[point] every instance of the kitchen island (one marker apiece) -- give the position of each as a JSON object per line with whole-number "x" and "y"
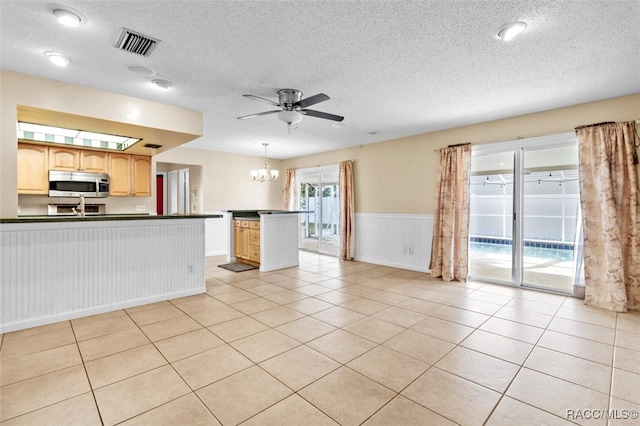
{"x": 60, "y": 268}
{"x": 264, "y": 238}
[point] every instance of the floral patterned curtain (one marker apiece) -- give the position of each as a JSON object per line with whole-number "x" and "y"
{"x": 347, "y": 210}
{"x": 450, "y": 246}
{"x": 290, "y": 190}
{"x": 611, "y": 216}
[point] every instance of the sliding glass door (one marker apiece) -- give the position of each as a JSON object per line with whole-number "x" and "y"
{"x": 491, "y": 216}
{"x": 524, "y": 212}
{"x": 319, "y": 195}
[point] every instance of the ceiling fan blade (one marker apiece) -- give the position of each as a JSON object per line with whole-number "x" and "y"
{"x": 326, "y": 116}
{"x": 258, "y": 98}
{"x": 258, "y": 114}
{"x": 312, "y": 100}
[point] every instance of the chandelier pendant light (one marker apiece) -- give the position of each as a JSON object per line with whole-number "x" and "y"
{"x": 264, "y": 174}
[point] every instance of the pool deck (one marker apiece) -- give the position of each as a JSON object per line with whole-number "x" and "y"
{"x": 556, "y": 275}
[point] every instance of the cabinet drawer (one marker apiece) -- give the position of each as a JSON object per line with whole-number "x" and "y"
{"x": 244, "y": 223}
{"x": 254, "y": 237}
{"x": 254, "y": 253}
{"x": 254, "y": 224}
{"x": 237, "y": 223}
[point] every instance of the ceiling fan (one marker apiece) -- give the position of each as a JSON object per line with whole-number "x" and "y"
{"x": 293, "y": 107}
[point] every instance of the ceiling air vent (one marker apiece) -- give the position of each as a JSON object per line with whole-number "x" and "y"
{"x": 152, "y": 145}
{"x": 140, "y": 44}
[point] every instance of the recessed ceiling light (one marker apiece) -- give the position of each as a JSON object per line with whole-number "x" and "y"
{"x": 141, "y": 70}
{"x": 163, "y": 84}
{"x": 510, "y": 30}
{"x": 372, "y": 133}
{"x": 58, "y": 58}
{"x": 67, "y": 16}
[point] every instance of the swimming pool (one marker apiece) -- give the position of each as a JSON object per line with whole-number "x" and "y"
{"x": 529, "y": 251}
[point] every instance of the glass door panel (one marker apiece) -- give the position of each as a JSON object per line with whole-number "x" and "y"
{"x": 491, "y": 217}
{"x": 319, "y": 195}
{"x": 308, "y": 190}
{"x": 551, "y": 204}
{"x": 329, "y": 236}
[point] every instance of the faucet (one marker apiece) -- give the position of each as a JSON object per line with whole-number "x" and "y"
{"x": 80, "y": 207}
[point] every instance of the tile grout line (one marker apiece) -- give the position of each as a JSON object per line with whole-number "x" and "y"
{"x": 86, "y": 373}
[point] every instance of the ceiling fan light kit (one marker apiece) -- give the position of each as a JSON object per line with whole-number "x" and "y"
{"x": 290, "y": 117}
{"x": 293, "y": 107}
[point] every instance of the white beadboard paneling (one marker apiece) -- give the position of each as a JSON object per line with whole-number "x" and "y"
{"x": 216, "y": 235}
{"x": 278, "y": 241}
{"x": 398, "y": 240}
{"x": 61, "y": 270}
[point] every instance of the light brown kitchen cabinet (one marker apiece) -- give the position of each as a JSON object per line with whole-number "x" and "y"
{"x": 94, "y": 161}
{"x": 61, "y": 158}
{"x": 119, "y": 174}
{"x": 74, "y": 159}
{"x": 129, "y": 175}
{"x": 246, "y": 235}
{"x": 254, "y": 241}
{"x": 33, "y": 166}
{"x": 141, "y": 176}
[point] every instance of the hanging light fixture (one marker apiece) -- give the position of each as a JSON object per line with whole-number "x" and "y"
{"x": 264, "y": 174}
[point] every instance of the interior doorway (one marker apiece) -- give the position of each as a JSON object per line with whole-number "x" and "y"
{"x": 318, "y": 190}
{"x": 178, "y": 188}
{"x": 525, "y": 212}
{"x": 178, "y": 191}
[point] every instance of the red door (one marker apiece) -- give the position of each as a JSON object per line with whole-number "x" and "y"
{"x": 159, "y": 194}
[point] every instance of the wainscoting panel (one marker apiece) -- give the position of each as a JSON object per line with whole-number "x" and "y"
{"x": 278, "y": 241}
{"x": 55, "y": 271}
{"x": 216, "y": 234}
{"x": 398, "y": 240}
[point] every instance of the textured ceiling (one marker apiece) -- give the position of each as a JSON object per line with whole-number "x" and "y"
{"x": 396, "y": 68}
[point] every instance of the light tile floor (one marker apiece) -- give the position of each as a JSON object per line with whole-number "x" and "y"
{"x": 329, "y": 342}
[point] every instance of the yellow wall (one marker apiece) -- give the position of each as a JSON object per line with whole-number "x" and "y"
{"x": 226, "y": 181}
{"x": 399, "y": 176}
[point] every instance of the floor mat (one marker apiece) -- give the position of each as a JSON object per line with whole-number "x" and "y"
{"x": 237, "y": 267}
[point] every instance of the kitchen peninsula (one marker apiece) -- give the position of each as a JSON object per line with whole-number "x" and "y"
{"x": 60, "y": 268}
{"x": 264, "y": 238}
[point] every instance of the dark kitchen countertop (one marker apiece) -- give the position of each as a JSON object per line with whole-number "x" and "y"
{"x": 249, "y": 218}
{"x": 106, "y": 217}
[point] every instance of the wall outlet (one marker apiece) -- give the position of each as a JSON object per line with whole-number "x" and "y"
{"x": 139, "y": 208}
{"x": 189, "y": 269}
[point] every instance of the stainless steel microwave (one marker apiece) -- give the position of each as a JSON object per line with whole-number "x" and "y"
{"x": 74, "y": 184}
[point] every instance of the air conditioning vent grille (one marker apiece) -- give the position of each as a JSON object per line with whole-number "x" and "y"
{"x": 140, "y": 44}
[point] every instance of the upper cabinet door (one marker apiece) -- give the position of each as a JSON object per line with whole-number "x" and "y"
{"x": 64, "y": 159}
{"x": 141, "y": 173}
{"x": 32, "y": 169}
{"x": 94, "y": 162}
{"x": 119, "y": 174}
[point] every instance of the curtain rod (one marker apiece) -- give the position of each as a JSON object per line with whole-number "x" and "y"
{"x": 319, "y": 165}
{"x": 594, "y": 125}
{"x": 604, "y": 122}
